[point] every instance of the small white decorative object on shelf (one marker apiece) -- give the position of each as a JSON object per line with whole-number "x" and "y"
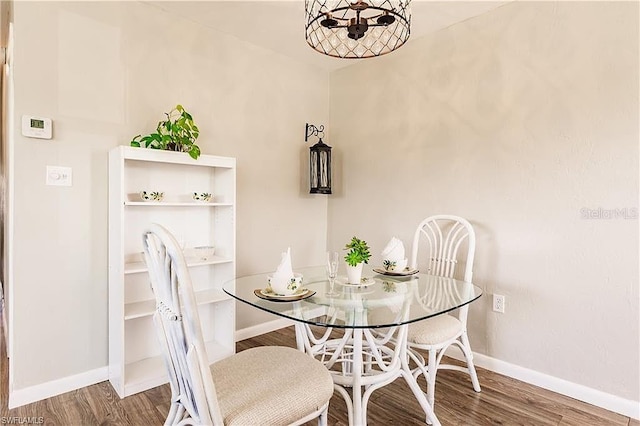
{"x": 204, "y": 252}
{"x": 151, "y": 195}
{"x": 202, "y": 196}
{"x": 283, "y": 281}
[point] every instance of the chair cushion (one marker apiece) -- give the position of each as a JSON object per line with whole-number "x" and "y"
{"x": 270, "y": 385}
{"x": 434, "y": 330}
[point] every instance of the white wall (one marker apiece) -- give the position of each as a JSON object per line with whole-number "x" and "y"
{"x": 518, "y": 120}
{"x": 105, "y": 72}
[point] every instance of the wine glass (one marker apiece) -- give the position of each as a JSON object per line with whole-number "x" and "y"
{"x": 332, "y": 271}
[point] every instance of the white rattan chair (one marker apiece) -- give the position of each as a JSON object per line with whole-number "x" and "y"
{"x": 266, "y": 385}
{"x": 442, "y": 237}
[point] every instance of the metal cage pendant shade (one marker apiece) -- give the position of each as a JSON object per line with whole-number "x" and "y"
{"x": 358, "y": 29}
{"x": 320, "y": 168}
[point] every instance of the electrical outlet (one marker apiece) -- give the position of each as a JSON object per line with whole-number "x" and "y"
{"x": 498, "y": 303}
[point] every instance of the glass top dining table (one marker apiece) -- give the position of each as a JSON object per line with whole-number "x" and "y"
{"x": 371, "y": 319}
{"x": 373, "y": 304}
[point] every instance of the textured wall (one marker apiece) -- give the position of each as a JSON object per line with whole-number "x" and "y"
{"x": 519, "y": 120}
{"x": 525, "y": 121}
{"x": 104, "y": 72}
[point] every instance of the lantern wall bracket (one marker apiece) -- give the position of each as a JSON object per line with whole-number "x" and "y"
{"x": 311, "y": 130}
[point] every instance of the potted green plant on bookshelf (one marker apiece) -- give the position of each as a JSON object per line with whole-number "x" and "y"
{"x": 177, "y": 132}
{"x": 356, "y": 257}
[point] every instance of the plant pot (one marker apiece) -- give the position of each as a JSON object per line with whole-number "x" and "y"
{"x": 354, "y": 273}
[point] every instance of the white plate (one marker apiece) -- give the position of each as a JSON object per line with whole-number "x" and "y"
{"x": 365, "y": 281}
{"x": 301, "y": 294}
{"x": 404, "y": 273}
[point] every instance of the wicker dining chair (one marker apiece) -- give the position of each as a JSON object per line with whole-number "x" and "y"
{"x": 442, "y": 237}
{"x": 266, "y": 385}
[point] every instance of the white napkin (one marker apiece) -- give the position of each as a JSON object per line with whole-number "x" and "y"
{"x": 394, "y": 250}
{"x": 284, "y": 272}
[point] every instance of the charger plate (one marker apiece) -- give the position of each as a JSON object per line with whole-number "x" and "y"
{"x": 404, "y": 273}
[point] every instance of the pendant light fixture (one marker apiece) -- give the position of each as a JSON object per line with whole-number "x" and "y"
{"x": 358, "y": 29}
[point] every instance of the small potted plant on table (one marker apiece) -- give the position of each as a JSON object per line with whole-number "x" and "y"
{"x": 356, "y": 257}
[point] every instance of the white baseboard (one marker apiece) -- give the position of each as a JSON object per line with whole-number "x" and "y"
{"x": 582, "y": 393}
{"x": 266, "y": 327}
{"x": 56, "y": 387}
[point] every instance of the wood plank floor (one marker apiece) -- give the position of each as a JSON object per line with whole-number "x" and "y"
{"x": 503, "y": 401}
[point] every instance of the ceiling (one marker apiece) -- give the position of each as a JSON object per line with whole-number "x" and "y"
{"x": 279, "y": 25}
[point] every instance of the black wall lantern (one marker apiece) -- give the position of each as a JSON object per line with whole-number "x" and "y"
{"x": 319, "y": 161}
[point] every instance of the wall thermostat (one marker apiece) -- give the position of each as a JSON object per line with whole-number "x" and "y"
{"x": 36, "y": 127}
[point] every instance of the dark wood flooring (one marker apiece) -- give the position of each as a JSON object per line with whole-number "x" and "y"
{"x": 503, "y": 401}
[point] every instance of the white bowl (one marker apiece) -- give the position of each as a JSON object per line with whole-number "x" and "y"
{"x": 204, "y": 252}
{"x": 151, "y": 195}
{"x": 286, "y": 288}
{"x": 202, "y": 196}
{"x": 395, "y": 265}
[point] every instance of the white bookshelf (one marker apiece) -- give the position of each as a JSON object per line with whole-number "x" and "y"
{"x": 135, "y": 359}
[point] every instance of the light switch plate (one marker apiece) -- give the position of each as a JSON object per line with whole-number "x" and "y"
{"x": 59, "y": 176}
